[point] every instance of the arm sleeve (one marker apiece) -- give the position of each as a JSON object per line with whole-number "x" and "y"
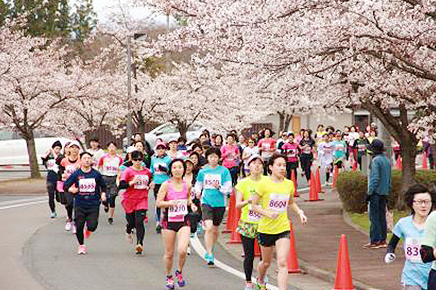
{"x": 124, "y": 184}
{"x": 70, "y": 181}
{"x": 374, "y": 177}
{"x": 392, "y": 244}
{"x": 103, "y": 186}
{"x": 199, "y": 183}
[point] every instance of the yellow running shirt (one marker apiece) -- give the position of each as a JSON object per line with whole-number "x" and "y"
{"x": 275, "y": 197}
{"x": 247, "y": 187}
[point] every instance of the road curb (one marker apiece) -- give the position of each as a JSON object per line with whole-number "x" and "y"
{"x": 347, "y": 219}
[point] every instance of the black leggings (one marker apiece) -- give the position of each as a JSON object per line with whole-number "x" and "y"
{"x": 135, "y": 220}
{"x": 306, "y": 163}
{"x": 111, "y": 191}
{"x": 88, "y": 216}
{"x": 248, "y": 245}
{"x": 70, "y": 205}
{"x": 156, "y": 191}
{"x": 51, "y": 189}
{"x": 291, "y": 166}
{"x": 432, "y": 280}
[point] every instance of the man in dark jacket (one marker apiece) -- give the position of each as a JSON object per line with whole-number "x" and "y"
{"x": 378, "y": 189}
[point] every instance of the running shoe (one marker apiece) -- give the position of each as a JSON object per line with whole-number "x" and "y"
{"x": 86, "y": 233}
{"x": 210, "y": 260}
{"x": 382, "y": 245}
{"x": 180, "y": 279}
{"x": 371, "y": 246}
{"x": 158, "y": 228}
{"x": 106, "y": 208}
{"x": 53, "y": 215}
{"x": 129, "y": 238}
{"x": 139, "y": 249}
{"x": 188, "y": 250}
{"x": 68, "y": 226}
{"x": 73, "y": 228}
{"x": 110, "y": 220}
{"x": 260, "y": 286}
{"x": 249, "y": 286}
{"x": 82, "y": 250}
{"x": 169, "y": 283}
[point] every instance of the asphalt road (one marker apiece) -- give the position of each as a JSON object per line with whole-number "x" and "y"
{"x": 37, "y": 253}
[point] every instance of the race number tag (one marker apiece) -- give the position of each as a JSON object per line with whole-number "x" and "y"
{"x": 157, "y": 170}
{"x": 87, "y": 185}
{"x": 141, "y": 182}
{"x": 176, "y": 213}
{"x": 265, "y": 146}
{"x": 292, "y": 153}
{"x": 210, "y": 180}
{"x": 278, "y": 202}
{"x": 307, "y": 149}
{"x": 69, "y": 169}
{"x": 253, "y": 216}
{"x": 411, "y": 250}
{"x": 110, "y": 167}
{"x": 51, "y": 165}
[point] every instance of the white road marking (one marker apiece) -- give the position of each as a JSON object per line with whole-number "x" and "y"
{"x": 40, "y": 198}
{"x": 198, "y": 247}
{"x": 19, "y": 203}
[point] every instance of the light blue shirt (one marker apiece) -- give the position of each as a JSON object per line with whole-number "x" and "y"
{"x": 414, "y": 273}
{"x": 212, "y": 196}
{"x": 160, "y": 176}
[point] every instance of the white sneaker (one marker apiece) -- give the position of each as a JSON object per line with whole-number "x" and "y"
{"x": 82, "y": 250}
{"x": 68, "y": 226}
{"x": 188, "y": 250}
{"x": 73, "y": 228}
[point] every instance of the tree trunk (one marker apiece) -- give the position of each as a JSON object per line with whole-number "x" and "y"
{"x": 183, "y": 128}
{"x": 408, "y": 154}
{"x": 288, "y": 119}
{"x": 281, "y": 121}
{"x": 33, "y": 158}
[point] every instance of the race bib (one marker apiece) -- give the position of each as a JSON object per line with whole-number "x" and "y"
{"x": 69, "y": 169}
{"x": 51, "y": 165}
{"x": 411, "y": 250}
{"x": 110, "y": 167}
{"x": 253, "y": 216}
{"x": 176, "y": 213}
{"x": 141, "y": 182}
{"x": 278, "y": 202}
{"x": 210, "y": 180}
{"x": 157, "y": 170}
{"x": 361, "y": 147}
{"x": 340, "y": 147}
{"x": 307, "y": 149}
{"x": 266, "y": 146}
{"x": 292, "y": 153}
{"x": 87, "y": 185}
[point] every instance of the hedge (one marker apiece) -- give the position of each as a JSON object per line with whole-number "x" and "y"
{"x": 352, "y": 187}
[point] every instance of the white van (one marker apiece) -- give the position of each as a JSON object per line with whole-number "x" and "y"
{"x": 13, "y": 148}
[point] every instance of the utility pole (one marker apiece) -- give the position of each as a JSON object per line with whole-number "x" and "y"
{"x": 129, "y": 91}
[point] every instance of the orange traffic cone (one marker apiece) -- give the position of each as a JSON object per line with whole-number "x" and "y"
{"x": 313, "y": 194}
{"x": 318, "y": 181}
{"x": 335, "y": 176}
{"x": 294, "y": 180}
{"x": 231, "y": 214}
{"x": 292, "y": 262}
{"x": 343, "y": 279}
{"x": 257, "y": 252}
{"x": 235, "y": 237}
{"x": 400, "y": 163}
{"x": 424, "y": 161}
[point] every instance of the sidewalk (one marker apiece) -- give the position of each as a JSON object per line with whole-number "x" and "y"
{"x": 24, "y": 186}
{"x": 317, "y": 245}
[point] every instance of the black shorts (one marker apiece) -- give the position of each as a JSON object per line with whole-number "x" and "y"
{"x": 176, "y": 226}
{"x": 216, "y": 214}
{"x": 268, "y": 240}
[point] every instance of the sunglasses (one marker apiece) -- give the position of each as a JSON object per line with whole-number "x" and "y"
{"x": 137, "y": 159}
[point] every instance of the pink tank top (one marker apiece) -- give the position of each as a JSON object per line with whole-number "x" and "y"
{"x": 177, "y": 212}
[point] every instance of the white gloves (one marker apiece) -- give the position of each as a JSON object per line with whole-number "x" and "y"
{"x": 389, "y": 258}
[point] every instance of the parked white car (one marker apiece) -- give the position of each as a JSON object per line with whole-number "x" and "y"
{"x": 169, "y": 131}
{"x": 13, "y": 148}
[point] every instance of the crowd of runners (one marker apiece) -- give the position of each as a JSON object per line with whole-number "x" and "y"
{"x": 192, "y": 182}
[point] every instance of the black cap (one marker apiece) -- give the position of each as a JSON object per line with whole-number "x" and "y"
{"x": 377, "y": 146}
{"x": 56, "y": 143}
